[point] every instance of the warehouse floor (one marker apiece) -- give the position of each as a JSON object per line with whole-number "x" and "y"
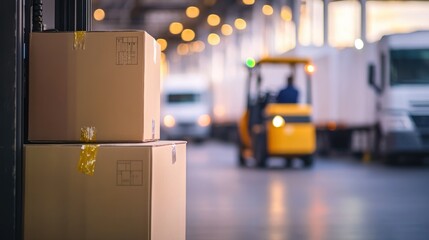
{"x": 339, "y": 198}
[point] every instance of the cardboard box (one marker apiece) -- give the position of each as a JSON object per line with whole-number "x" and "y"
{"x": 138, "y": 191}
{"x": 106, "y": 80}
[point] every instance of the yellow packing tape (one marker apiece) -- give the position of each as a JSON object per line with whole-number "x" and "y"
{"x": 88, "y": 134}
{"x": 79, "y": 40}
{"x": 88, "y": 153}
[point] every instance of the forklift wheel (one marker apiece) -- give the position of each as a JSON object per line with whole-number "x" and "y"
{"x": 308, "y": 161}
{"x": 240, "y": 149}
{"x": 288, "y": 162}
{"x": 241, "y": 160}
{"x": 262, "y": 163}
{"x": 261, "y": 160}
{"x": 261, "y": 151}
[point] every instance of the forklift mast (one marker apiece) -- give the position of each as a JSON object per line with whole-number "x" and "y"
{"x": 70, "y": 15}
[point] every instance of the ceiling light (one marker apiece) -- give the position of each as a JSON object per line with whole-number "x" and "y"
{"x": 248, "y": 2}
{"x": 213, "y": 39}
{"x": 162, "y": 43}
{"x": 286, "y": 14}
{"x": 192, "y": 12}
{"x": 99, "y": 14}
{"x": 213, "y": 20}
{"x": 240, "y": 24}
{"x": 267, "y": 10}
{"x": 226, "y": 29}
{"x": 188, "y": 35}
{"x": 176, "y": 28}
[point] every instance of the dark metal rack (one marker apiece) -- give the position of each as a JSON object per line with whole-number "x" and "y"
{"x": 73, "y": 15}
{"x": 19, "y": 19}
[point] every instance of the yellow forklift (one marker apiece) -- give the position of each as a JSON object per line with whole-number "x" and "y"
{"x": 268, "y": 129}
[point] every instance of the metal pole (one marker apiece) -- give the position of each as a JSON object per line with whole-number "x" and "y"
{"x": 363, "y": 20}
{"x": 73, "y": 15}
{"x": 325, "y": 22}
{"x": 249, "y": 78}
{"x": 296, "y": 9}
{"x": 309, "y": 100}
{"x": 63, "y": 15}
{"x": 11, "y": 117}
{"x": 83, "y": 15}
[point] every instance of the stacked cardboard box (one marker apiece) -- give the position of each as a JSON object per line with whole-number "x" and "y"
{"x": 107, "y": 82}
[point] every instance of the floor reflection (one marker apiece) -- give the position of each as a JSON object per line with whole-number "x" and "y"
{"x": 339, "y": 199}
{"x": 277, "y": 209}
{"x": 317, "y": 216}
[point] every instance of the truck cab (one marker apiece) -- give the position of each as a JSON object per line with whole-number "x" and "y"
{"x": 400, "y": 77}
{"x": 186, "y": 107}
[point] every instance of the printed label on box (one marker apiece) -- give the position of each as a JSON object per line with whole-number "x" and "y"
{"x": 129, "y": 173}
{"x": 127, "y": 50}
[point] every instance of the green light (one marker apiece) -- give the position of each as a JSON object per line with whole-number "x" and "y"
{"x": 250, "y": 62}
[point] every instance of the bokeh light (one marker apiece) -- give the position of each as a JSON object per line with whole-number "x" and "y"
{"x": 162, "y": 43}
{"x": 226, "y": 29}
{"x": 213, "y": 39}
{"x": 286, "y": 14}
{"x": 240, "y": 24}
{"x": 213, "y": 20}
{"x": 99, "y": 14}
{"x": 267, "y": 10}
{"x": 183, "y": 49}
{"x": 192, "y": 12}
{"x": 248, "y": 2}
{"x": 188, "y": 35}
{"x": 176, "y": 28}
{"x": 198, "y": 46}
{"x": 359, "y": 44}
{"x": 250, "y": 62}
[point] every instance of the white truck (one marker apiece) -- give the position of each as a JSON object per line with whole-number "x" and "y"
{"x": 186, "y": 107}
{"x": 374, "y": 99}
{"x": 400, "y": 77}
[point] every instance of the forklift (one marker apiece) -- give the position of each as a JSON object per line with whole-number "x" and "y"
{"x": 269, "y": 129}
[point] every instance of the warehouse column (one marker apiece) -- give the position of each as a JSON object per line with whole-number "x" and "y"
{"x": 363, "y": 20}
{"x": 296, "y": 9}
{"x": 325, "y": 22}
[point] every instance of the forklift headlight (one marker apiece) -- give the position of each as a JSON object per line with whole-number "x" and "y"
{"x": 278, "y": 121}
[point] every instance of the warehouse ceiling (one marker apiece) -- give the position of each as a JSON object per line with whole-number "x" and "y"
{"x": 155, "y": 16}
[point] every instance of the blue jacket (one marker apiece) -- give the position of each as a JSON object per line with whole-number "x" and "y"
{"x": 288, "y": 95}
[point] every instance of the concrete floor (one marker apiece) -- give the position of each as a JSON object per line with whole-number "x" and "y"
{"x": 338, "y": 198}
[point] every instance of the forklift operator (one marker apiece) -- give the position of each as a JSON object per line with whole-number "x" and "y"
{"x": 289, "y": 94}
